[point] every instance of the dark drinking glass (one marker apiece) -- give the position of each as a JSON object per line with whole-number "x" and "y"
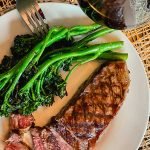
{"x": 117, "y": 14}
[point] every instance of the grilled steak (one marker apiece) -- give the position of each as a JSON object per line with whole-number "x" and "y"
{"x": 20, "y": 122}
{"x": 67, "y": 135}
{"x": 90, "y": 112}
{"x": 80, "y": 123}
{"x": 48, "y": 139}
{"x": 15, "y": 143}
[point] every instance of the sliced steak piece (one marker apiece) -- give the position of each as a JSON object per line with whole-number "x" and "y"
{"x": 37, "y": 139}
{"x": 15, "y": 143}
{"x": 48, "y": 139}
{"x": 67, "y": 135}
{"x": 90, "y": 112}
{"x": 14, "y": 138}
{"x": 20, "y": 122}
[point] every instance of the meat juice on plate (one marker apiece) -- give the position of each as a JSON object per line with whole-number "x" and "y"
{"x": 117, "y": 14}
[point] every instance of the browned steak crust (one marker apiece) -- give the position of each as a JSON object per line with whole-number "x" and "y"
{"x": 93, "y": 109}
{"x": 67, "y": 135}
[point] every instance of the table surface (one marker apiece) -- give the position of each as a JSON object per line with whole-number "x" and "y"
{"x": 140, "y": 38}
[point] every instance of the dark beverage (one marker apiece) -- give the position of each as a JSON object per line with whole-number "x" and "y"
{"x": 117, "y": 14}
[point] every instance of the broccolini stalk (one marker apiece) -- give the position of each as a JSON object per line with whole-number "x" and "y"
{"x": 105, "y": 56}
{"x": 113, "y": 56}
{"x": 101, "y": 32}
{"x": 77, "y": 44}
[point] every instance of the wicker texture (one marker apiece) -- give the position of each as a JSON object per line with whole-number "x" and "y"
{"x": 140, "y": 38}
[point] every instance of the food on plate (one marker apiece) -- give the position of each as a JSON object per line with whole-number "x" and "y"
{"x": 15, "y": 143}
{"x": 31, "y": 78}
{"x": 80, "y": 123}
{"x": 67, "y": 135}
{"x": 48, "y": 139}
{"x": 20, "y": 122}
{"x": 23, "y": 44}
{"x": 92, "y": 109}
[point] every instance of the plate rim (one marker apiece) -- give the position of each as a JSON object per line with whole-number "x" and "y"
{"x": 139, "y": 58}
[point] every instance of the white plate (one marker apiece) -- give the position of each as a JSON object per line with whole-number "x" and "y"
{"x": 127, "y": 129}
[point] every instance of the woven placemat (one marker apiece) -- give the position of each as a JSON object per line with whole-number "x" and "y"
{"x": 140, "y": 38}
